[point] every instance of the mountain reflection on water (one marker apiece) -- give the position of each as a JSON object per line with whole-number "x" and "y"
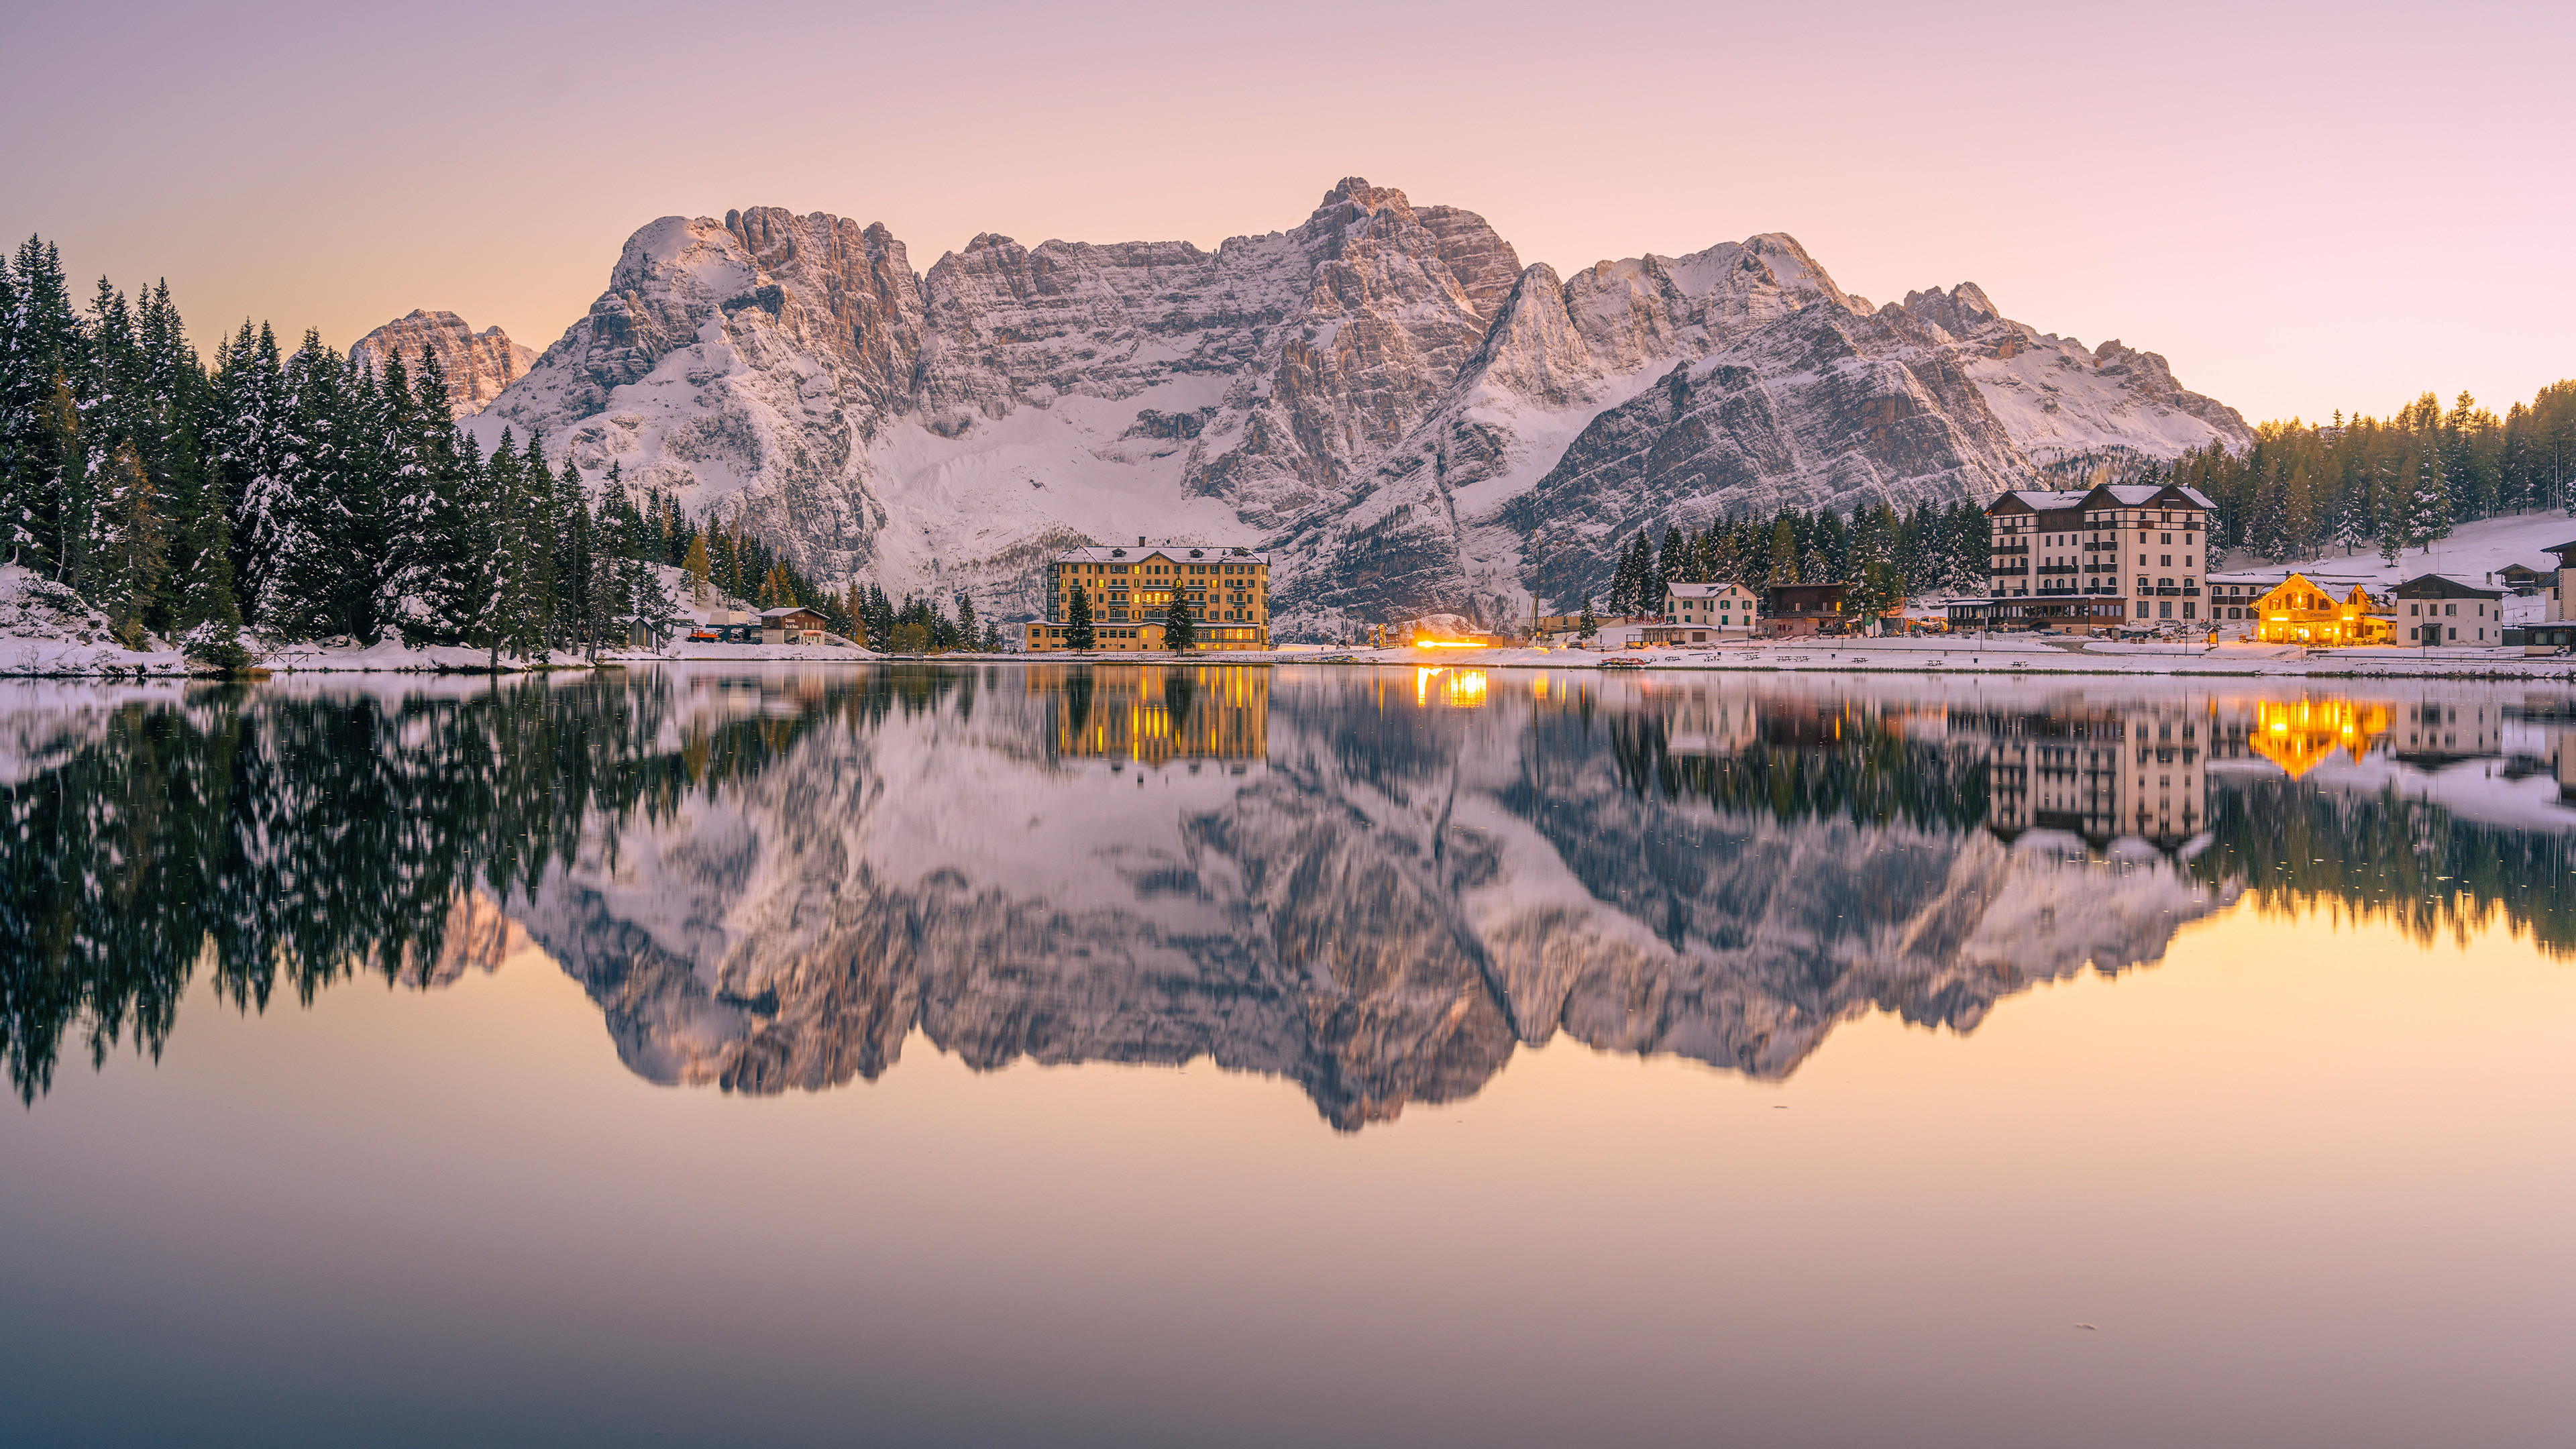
{"x": 1376, "y": 883}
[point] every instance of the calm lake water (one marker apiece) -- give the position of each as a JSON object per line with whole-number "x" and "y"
{"x": 1310, "y": 1055}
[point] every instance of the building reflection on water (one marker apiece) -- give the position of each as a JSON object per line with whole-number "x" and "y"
{"x": 1154, "y": 716}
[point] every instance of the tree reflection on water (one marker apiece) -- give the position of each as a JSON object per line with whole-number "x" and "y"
{"x": 1369, "y": 883}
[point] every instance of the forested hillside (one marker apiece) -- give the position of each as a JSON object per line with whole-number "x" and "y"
{"x": 303, "y": 496}
{"x": 2389, "y": 484}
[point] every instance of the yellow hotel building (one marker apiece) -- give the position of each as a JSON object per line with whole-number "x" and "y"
{"x": 1131, "y": 589}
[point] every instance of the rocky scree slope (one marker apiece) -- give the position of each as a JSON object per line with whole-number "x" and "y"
{"x": 1383, "y": 394}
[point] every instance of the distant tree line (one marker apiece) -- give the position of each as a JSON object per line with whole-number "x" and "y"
{"x": 1883, "y": 555}
{"x": 2388, "y": 484}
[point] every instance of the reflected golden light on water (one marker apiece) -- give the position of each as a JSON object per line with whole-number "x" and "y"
{"x": 2299, "y": 735}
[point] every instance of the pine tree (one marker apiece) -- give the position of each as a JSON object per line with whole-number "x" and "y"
{"x": 969, "y": 636}
{"x": 575, "y": 553}
{"x": 2430, "y": 507}
{"x": 306, "y": 562}
{"x": 132, "y": 547}
{"x": 41, "y": 349}
{"x": 1587, "y": 624}
{"x": 1784, "y": 551}
{"x": 1673, "y": 565}
{"x": 702, "y": 587}
{"x": 1078, "y": 632}
{"x": 1180, "y": 632}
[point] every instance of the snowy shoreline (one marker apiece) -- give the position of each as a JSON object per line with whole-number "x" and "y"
{"x": 22, "y": 658}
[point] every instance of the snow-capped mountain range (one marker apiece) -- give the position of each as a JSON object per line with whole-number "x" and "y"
{"x": 1383, "y": 394}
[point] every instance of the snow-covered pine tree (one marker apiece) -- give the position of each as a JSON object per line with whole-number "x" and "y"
{"x": 1180, "y": 631}
{"x": 307, "y": 562}
{"x": 1826, "y": 558}
{"x": 40, "y": 349}
{"x": 2346, "y": 523}
{"x": 510, "y": 621}
{"x": 2429, "y": 504}
{"x": 250, "y": 424}
{"x": 971, "y": 636}
{"x": 1673, "y": 565}
{"x": 125, "y": 582}
{"x": 2268, "y": 531}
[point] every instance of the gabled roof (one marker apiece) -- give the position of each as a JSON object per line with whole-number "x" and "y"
{"x": 2444, "y": 586}
{"x": 1177, "y": 552}
{"x": 2147, "y": 495}
{"x": 2036, "y": 500}
{"x": 1705, "y": 591}
{"x": 790, "y": 609}
{"x": 2563, "y": 550}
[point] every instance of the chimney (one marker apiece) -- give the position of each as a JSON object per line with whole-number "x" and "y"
{"x": 1140, "y": 540}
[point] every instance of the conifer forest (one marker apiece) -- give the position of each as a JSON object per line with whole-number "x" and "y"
{"x": 292, "y": 491}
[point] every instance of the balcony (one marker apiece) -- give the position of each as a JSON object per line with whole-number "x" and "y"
{"x": 2103, "y": 568}
{"x": 2058, "y": 569}
{"x": 2022, "y": 569}
{"x": 2011, "y": 548}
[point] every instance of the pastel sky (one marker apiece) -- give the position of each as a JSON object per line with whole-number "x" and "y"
{"x": 2304, "y": 207}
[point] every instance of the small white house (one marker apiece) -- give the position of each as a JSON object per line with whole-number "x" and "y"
{"x": 1719, "y": 611}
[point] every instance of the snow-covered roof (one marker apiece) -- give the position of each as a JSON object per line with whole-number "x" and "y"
{"x": 2138, "y": 495}
{"x": 1128, "y": 553}
{"x": 1702, "y": 591}
{"x": 790, "y": 609}
{"x": 2274, "y": 578}
{"x": 2446, "y": 586}
{"x": 2116, "y": 495}
{"x": 2042, "y": 499}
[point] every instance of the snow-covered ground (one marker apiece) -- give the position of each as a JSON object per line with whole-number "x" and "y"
{"x": 46, "y": 629}
{"x": 2472, "y": 553}
{"x": 2006, "y": 654}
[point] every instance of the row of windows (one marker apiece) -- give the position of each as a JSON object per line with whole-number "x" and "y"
{"x": 1192, "y": 569}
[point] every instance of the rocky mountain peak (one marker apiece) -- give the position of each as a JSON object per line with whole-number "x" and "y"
{"x": 479, "y": 365}
{"x": 1381, "y": 393}
{"x": 1960, "y": 313}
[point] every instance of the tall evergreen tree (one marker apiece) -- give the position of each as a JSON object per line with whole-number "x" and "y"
{"x": 1078, "y": 630}
{"x": 133, "y": 547}
{"x": 1180, "y": 631}
{"x": 1784, "y": 551}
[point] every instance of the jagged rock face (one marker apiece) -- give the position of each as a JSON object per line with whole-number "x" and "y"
{"x": 1383, "y": 395}
{"x": 479, "y": 365}
{"x": 2054, "y": 397}
{"x": 1379, "y": 909}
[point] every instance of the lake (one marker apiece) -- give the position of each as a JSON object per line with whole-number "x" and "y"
{"x": 1165, "y": 1055}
